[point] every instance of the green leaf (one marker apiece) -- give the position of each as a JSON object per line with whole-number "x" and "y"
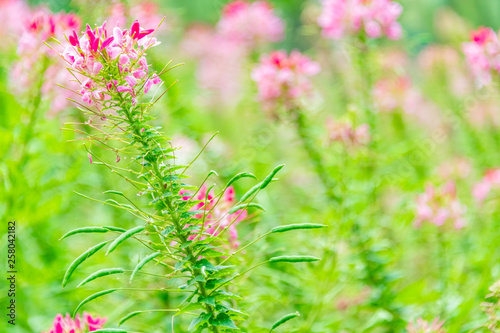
{"x": 294, "y": 259}
{"x": 93, "y": 297}
{"x": 120, "y": 239}
{"x": 210, "y": 300}
{"x": 141, "y": 264}
{"x": 284, "y": 319}
{"x": 284, "y": 228}
{"x": 243, "y": 206}
{"x": 84, "y": 230}
{"x": 101, "y": 273}
{"x": 84, "y": 256}
{"x": 201, "y": 319}
{"x": 223, "y": 320}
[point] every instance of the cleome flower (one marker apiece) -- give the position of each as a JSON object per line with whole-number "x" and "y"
{"x": 284, "y": 79}
{"x": 81, "y": 324}
{"x": 347, "y": 134}
{"x": 375, "y": 18}
{"x": 439, "y": 206}
{"x": 482, "y": 54}
{"x": 250, "y": 23}
{"x": 113, "y": 62}
{"x": 422, "y": 326}
{"x": 215, "y": 213}
{"x": 490, "y": 181}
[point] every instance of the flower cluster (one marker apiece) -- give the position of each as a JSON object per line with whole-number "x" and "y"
{"x": 490, "y": 180}
{"x": 215, "y": 213}
{"x": 284, "y": 79}
{"x": 422, "y": 326}
{"x": 482, "y": 54}
{"x": 375, "y": 18}
{"x": 250, "y": 23}
{"x": 99, "y": 52}
{"x": 439, "y": 206}
{"x": 392, "y": 93}
{"x": 13, "y": 14}
{"x": 37, "y": 63}
{"x": 347, "y": 134}
{"x": 86, "y": 323}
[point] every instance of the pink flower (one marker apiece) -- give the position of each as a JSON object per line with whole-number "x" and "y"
{"x": 375, "y": 18}
{"x": 348, "y": 134}
{"x": 422, "y": 326}
{"x": 458, "y": 167}
{"x": 78, "y": 325}
{"x": 145, "y": 11}
{"x": 483, "y": 54}
{"x": 283, "y": 78}
{"x": 13, "y": 14}
{"x": 394, "y": 93}
{"x": 491, "y": 180}
{"x": 220, "y": 63}
{"x": 216, "y": 215}
{"x": 88, "y": 53}
{"x": 439, "y": 206}
{"x": 251, "y": 23}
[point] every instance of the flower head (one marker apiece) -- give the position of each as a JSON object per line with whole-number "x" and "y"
{"x": 251, "y": 23}
{"x": 216, "y": 214}
{"x": 422, "y": 326}
{"x": 283, "y": 78}
{"x": 483, "y": 54}
{"x": 375, "y": 18}
{"x": 348, "y": 134}
{"x": 113, "y": 61}
{"x": 66, "y": 324}
{"x": 490, "y": 181}
{"x": 440, "y": 206}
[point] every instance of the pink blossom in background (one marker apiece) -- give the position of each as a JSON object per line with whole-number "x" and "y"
{"x": 396, "y": 92}
{"x": 347, "y": 134}
{"x": 484, "y": 112}
{"x": 27, "y": 72}
{"x": 422, "y": 326}
{"x": 456, "y": 168}
{"x": 13, "y": 14}
{"x": 250, "y": 23}
{"x": 284, "y": 79}
{"x": 128, "y": 46}
{"x": 66, "y": 324}
{"x": 220, "y": 63}
{"x": 216, "y": 215}
{"x": 490, "y": 181}
{"x": 445, "y": 60}
{"x": 483, "y": 54}
{"x": 375, "y": 18}
{"x": 145, "y": 12}
{"x": 440, "y": 206}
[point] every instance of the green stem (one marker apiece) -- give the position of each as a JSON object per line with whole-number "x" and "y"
{"x": 314, "y": 155}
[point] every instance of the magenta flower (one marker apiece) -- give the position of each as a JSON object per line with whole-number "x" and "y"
{"x": 440, "y": 206}
{"x": 284, "y": 79}
{"x": 347, "y": 134}
{"x": 123, "y": 50}
{"x": 250, "y": 23}
{"x": 422, "y": 326}
{"x": 490, "y": 181}
{"x": 375, "y": 18}
{"x": 483, "y": 54}
{"x": 78, "y": 325}
{"x": 216, "y": 214}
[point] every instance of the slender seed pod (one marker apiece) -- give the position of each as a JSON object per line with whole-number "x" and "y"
{"x": 101, "y": 273}
{"x": 141, "y": 264}
{"x": 84, "y": 256}
{"x": 270, "y": 177}
{"x": 84, "y": 230}
{"x": 111, "y": 330}
{"x": 239, "y": 176}
{"x": 284, "y": 319}
{"x": 243, "y": 206}
{"x": 251, "y": 192}
{"x": 93, "y": 297}
{"x": 284, "y": 228}
{"x": 114, "y": 228}
{"x": 120, "y": 239}
{"x": 113, "y": 192}
{"x": 294, "y": 259}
